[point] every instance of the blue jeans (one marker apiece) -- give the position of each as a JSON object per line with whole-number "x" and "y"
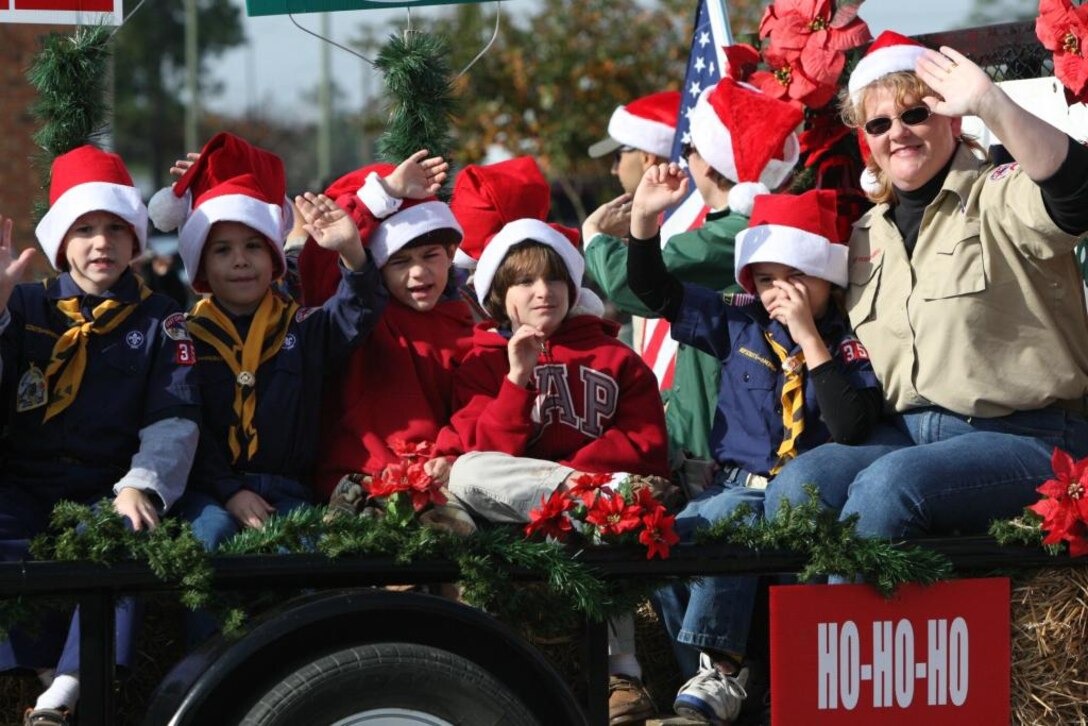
{"x": 213, "y": 525}
{"x": 712, "y": 613}
{"x": 932, "y": 471}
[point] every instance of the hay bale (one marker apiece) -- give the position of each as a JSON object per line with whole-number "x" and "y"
{"x": 1050, "y": 647}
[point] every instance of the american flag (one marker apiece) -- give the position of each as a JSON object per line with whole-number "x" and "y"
{"x": 704, "y": 69}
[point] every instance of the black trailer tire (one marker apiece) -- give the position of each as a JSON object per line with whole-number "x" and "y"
{"x": 357, "y": 685}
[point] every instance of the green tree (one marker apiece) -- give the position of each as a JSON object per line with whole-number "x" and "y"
{"x": 149, "y": 75}
{"x": 550, "y": 81}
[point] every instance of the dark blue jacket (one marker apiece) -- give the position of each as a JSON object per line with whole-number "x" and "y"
{"x": 748, "y": 423}
{"x": 290, "y": 387}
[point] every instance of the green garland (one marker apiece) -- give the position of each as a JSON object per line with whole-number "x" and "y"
{"x": 418, "y": 82}
{"x": 831, "y": 546}
{"x": 70, "y": 74}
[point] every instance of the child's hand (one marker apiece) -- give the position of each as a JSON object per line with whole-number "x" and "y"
{"x": 662, "y": 186}
{"x": 792, "y": 308}
{"x": 331, "y": 227}
{"x": 612, "y": 218}
{"x": 137, "y": 506}
{"x": 417, "y": 176}
{"x": 524, "y": 349}
{"x": 249, "y": 508}
{"x": 11, "y": 268}
{"x": 438, "y": 469}
{"x": 182, "y": 165}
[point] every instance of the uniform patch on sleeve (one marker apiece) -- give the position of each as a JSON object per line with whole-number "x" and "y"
{"x": 1003, "y": 171}
{"x": 185, "y": 354}
{"x": 304, "y": 313}
{"x": 851, "y": 350}
{"x": 175, "y": 328}
{"x": 738, "y": 299}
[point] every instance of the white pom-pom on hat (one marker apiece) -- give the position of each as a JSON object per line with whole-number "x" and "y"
{"x": 742, "y": 197}
{"x": 167, "y": 210}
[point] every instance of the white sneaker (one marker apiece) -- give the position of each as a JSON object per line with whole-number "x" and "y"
{"x": 711, "y": 695}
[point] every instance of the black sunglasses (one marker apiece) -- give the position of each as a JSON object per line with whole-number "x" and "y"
{"x": 911, "y": 117}
{"x": 618, "y": 153}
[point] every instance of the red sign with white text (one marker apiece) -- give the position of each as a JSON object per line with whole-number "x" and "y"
{"x": 61, "y": 12}
{"x": 845, "y": 655}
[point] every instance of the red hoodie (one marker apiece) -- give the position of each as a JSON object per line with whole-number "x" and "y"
{"x": 397, "y": 385}
{"x": 592, "y": 404}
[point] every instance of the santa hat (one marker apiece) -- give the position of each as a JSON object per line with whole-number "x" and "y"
{"x": 232, "y": 181}
{"x": 747, "y": 137}
{"x": 889, "y": 53}
{"x": 486, "y": 197}
{"x": 647, "y": 124}
{"x": 401, "y": 221}
{"x": 798, "y": 231}
{"x": 84, "y": 180}
{"x": 527, "y": 230}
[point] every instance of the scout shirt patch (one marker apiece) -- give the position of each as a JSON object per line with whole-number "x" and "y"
{"x": 185, "y": 354}
{"x": 289, "y": 341}
{"x": 738, "y": 299}
{"x": 851, "y": 350}
{"x": 747, "y": 353}
{"x": 134, "y": 339}
{"x": 31, "y": 392}
{"x": 304, "y": 313}
{"x": 1003, "y": 171}
{"x": 175, "y": 328}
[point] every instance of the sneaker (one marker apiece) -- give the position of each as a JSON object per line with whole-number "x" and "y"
{"x": 628, "y": 701}
{"x": 712, "y": 695}
{"x": 347, "y": 498}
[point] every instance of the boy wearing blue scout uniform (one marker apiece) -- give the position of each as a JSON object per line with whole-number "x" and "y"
{"x": 263, "y": 359}
{"x": 99, "y": 400}
{"x": 793, "y": 377}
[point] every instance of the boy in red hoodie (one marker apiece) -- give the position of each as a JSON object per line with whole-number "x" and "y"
{"x": 548, "y": 393}
{"x": 398, "y": 385}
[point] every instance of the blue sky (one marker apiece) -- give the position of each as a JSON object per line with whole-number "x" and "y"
{"x": 279, "y": 65}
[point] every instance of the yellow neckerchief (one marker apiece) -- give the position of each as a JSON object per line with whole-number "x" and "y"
{"x": 793, "y": 402}
{"x": 264, "y": 340}
{"x": 69, "y": 359}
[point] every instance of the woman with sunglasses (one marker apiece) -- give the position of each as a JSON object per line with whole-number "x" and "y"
{"x": 964, "y": 289}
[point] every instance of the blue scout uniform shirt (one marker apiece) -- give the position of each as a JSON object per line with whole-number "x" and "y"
{"x": 748, "y": 423}
{"x": 136, "y": 375}
{"x": 289, "y": 387}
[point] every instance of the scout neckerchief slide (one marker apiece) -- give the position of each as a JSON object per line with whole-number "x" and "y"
{"x": 793, "y": 402}
{"x": 69, "y": 360}
{"x": 265, "y": 338}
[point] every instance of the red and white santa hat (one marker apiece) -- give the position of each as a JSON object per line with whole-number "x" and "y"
{"x": 400, "y": 221}
{"x": 526, "y": 230}
{"x": 87, "y": 179}
{"x": 232, "y": 181}
{"x": 889, "y": 53}
{"x": 747, "y": 137}
{"x": 794, "y": 230}
{"x": 486, "y": 197}
{"x": 647, "y": 123}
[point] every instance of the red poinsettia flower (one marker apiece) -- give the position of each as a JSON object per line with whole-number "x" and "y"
{"x": 423, "y": 487}
{"x": 823, "y": 132}
{"x": 550, "y": 519}
{"x": 645, "y": 500}
{"x": 1065, "y": 508}
{"x": 586, "y": 486}
{"x": 788, "y": 80}
{"x": 658, "y": 535}
{"x": 806, "y": 49}
{"x": 389, "y": 482}
{"x": 742, "y": 60}
{"x": 610, "y": 514}
{"x": 1063, "y": 29}
{"x": 412, "y": 449}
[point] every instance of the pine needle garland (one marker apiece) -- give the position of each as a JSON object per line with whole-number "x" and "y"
{"x": 70, "y": 74}
{"x": 418, "y": 82}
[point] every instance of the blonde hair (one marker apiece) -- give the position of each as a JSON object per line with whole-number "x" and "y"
{"x": 904, "y": 84}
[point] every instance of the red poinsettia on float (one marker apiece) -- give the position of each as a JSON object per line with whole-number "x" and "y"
{"x": 592, "y": 508}
{"x": 1063, "y": 29}
{"x": 1064, "y": 508}
{"x": 408, "y": 476}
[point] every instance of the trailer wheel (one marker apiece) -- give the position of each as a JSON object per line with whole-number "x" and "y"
{"x": 387, "y": 684}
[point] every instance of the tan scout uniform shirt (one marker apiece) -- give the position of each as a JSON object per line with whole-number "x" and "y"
{"x": 988, "y": 316}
